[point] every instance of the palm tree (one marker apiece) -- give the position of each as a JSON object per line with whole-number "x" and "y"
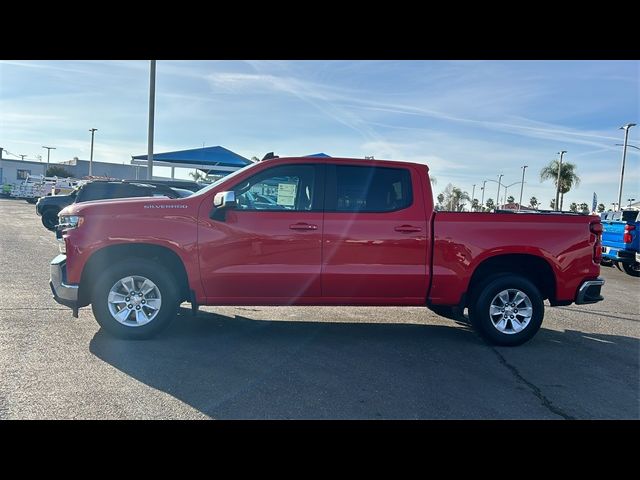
{"x": 440, "y": 198}
{"x": 568, "y": 177}
{"x": 489, "y": 203}
{"x": 197, "y": 176}
{"x": 601, "y": 208}
{"x": 510, "y": 199}
{"x": 533, "y": 202}
{"x": 454, "y": 197}
{"x": 573, "y": 207}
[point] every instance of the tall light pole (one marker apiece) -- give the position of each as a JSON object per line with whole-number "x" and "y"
{"x": 624, "y": 156}
{"x": 93, "y": 131}
{"x": 48, "y": 152}
{"x": 152, "y": 103}
{"x": 498, "y": 197}
{"x": 473, "y": 192}
{"x": 558, "y": 180}
{"x": 524, "y": 168}
{"x": 484, "y": 182}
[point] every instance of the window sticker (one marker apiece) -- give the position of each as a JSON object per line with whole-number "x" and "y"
{"x": 286, "y": 194}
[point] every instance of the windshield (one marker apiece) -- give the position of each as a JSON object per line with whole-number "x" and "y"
{"x": 223, "y": 179}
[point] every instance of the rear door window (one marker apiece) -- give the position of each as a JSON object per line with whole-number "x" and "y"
{"x": 367, "y": 189}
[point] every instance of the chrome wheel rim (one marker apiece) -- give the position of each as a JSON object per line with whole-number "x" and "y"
{"x": 134, "y": 301}
{"x": 510, "y": 311}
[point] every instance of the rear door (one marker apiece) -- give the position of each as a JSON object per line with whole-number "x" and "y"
{"x": 375, "y": 236}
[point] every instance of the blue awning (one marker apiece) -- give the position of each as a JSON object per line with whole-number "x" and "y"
{"x": 204, "y": 158}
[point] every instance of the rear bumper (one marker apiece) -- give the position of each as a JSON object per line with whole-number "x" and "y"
{"x": 589, "y": 291}
{"x": 63, "y": 293}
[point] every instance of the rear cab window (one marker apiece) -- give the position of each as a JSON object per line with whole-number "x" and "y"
{"x": 352, "y": 188}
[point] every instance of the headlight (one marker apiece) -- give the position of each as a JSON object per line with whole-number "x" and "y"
{"x": 69, "y": 222}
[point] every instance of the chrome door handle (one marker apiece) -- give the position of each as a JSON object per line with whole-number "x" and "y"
{"x": 407, "y": 229}
{"x": 303, "y": 226}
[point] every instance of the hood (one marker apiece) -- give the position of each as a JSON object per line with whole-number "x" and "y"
{"x": 136, "y": 205}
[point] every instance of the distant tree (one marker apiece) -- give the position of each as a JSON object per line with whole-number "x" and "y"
{"x": 510, "y": 199}
{"x": 440, "y": 198}
{"x": 601, "y": 208}
{"x": 584, "y": 208}
{"x": 573, "y": 207}
{"x": 433, "y": 179}
{"x": 474, "y": 204}
{"x": 533, "y": 202}
{"x": 568, "y": 177}
{"x": 454, "y": 198}
{"x": 198, "y": 176}
{"x": 58, "y": 171}
{"x": 255, "y": 159}
{"x": 552, "y": 204}
{"x": 489, "y": 203}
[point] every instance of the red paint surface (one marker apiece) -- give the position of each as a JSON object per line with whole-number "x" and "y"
{"x": 255, "y": 257}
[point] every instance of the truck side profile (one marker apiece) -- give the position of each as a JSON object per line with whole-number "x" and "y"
{"x": 322, "y": 231}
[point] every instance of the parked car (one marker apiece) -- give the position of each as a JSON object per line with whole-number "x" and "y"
{"x": 342, "y": 232}
{"x": 48, "y": 207}
{"x": 621, "y": 239}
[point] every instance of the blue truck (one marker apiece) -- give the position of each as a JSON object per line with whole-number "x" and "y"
{"x": 621, "y": 240}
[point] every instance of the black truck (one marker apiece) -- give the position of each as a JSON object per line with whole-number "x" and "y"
{"x": 48, "y": 207}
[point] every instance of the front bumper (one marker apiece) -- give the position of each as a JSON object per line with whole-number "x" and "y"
{"x": 589, "y": 291}
{"x": 63, "y": 293}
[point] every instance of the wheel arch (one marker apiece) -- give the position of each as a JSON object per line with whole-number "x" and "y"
{"x": 112, "y": 254}
{"x": 532, "y": 267}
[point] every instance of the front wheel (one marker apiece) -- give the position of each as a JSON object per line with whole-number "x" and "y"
{"x": 135, "y": 299}
{"x": 507, "y": 310}
{"x": 632, "y": 269}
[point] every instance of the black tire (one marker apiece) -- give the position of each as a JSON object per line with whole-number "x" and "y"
{"x": 163, "y": 280}
{"x": 50, "y": 218}
{"x": 632, "y": 269}
{"x": 488, "y": 292}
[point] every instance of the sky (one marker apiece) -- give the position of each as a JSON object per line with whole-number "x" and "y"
{"x": 469, "y": 121}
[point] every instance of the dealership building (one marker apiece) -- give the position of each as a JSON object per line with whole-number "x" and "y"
{"x": 15, "y": 171}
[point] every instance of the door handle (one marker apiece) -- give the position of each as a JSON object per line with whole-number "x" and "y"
{"x": 407, "y": 229}
{"x": 303, "y": 226}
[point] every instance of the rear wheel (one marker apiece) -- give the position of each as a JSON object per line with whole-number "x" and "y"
{"x": 632, "y": 269}
{"x": 135, "y": 299}
{"x": 508, "y": 310}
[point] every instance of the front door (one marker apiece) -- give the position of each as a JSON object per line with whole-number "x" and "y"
{"x": 268, "y": 249}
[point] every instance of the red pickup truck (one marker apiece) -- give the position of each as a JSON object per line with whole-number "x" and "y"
{"x": 322, "y": 231}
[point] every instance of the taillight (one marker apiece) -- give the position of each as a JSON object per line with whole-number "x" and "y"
{"x": 627, "y": 238}
{"x": 596, "y": 228}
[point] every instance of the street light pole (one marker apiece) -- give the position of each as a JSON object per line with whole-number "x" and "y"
{"x": 558, "y": 181}
{"x": 498, "y": 197}
{"x": 624, "y": 155}
{"x": 93, "y": 131}
{"x": 152, "y": 102}
{"x": 48, "y": 152}
{"x": 482, "y": 201}
{"x": 524, "y": 168}
{"x": 473, "y": 192}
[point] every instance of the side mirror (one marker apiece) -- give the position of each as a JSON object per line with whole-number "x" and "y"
{"x": 221, "y": 202}
{"x": 224, "y": 200}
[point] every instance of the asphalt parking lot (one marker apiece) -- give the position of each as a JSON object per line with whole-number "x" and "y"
{"x": 303, "y": 362}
